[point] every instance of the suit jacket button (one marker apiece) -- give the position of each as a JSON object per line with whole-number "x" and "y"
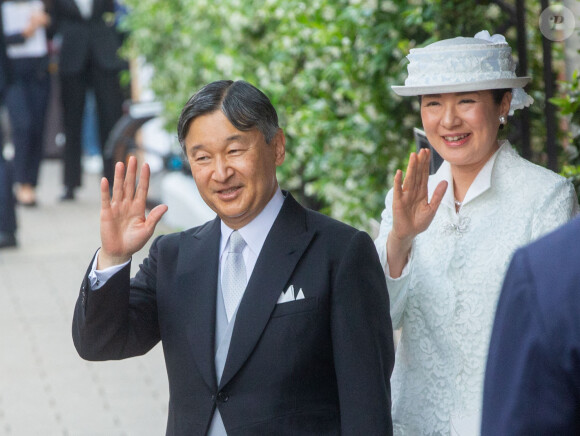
{"x": 222, "y": 397}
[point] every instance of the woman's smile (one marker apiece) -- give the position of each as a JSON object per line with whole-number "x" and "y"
{"x": 456, "y": 140}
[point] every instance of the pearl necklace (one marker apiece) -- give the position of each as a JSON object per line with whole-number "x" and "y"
{"x": 458, "y": 203}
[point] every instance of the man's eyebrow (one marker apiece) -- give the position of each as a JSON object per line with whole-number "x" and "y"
{"x": 233, "y": 138}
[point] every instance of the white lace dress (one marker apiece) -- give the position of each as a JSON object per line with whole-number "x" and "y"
{"x": 445, "y": 300}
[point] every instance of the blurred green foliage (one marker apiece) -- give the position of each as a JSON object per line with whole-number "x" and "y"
{"x": 569, "y": 105}
{"x": 327, "y": 66}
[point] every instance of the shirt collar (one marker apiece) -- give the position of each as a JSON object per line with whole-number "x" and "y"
{"x": 480, "y": 184}
{"x": 85, "y": 8}
{"x": 256, "y": 231}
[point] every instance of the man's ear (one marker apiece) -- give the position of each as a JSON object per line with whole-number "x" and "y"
{"x": 279, "y": 143}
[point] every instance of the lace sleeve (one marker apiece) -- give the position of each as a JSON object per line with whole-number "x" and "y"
{"x": 397, "y": 287}
{"x": 558, "y": 207}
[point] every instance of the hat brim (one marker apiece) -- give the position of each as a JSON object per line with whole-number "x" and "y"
{"x": 406, "y": 91}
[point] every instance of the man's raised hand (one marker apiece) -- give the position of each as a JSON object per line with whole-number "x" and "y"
{"x": 124, "y": 227}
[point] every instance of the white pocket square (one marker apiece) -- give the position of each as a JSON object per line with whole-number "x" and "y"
{"x": 288, "y": 296}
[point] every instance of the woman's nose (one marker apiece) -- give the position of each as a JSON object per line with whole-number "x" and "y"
{"x": 449, "y": 118}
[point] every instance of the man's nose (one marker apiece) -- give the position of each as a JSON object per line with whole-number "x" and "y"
{"x": 222, "y": 170}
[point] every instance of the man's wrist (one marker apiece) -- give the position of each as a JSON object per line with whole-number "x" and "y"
{"x": 105, "y": 261}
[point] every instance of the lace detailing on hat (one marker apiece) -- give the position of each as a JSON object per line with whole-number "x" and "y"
{"x": 465, "y": 64}
{"x": 459, "y": 64}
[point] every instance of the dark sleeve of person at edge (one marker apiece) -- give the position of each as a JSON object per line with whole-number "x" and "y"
{"x": 532, "y": 381}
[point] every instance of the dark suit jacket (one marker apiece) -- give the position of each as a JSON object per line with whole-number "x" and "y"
{"x": 96, "y": 40}
{"x": 532, "y": 382}
{"x": 318, "y": 366}
{"x": 5, "y": 73}
{"x": 7, "y": 215}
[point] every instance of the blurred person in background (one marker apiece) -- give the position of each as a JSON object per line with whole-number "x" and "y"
{"x": 28, "y": 93}
{"x": 7, "y": 212}
{"x": 88, "y": 58}
{"x": 446, "y": 240}
{"x": 92, "y": 160}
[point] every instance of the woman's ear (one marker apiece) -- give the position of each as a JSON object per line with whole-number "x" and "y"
{"x": 504, "y": 106}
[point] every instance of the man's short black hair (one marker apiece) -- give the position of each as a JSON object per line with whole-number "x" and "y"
{"x": 244, "y": 105}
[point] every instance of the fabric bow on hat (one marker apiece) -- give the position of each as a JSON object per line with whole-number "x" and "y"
{"x": 495, "y": 39}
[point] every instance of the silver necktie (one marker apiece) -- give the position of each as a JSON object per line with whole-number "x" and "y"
{"x": 234, "y": 276}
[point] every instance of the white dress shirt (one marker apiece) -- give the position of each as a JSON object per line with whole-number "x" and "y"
{"x": 254, "y": 233}
{"x": 85, "y": 7}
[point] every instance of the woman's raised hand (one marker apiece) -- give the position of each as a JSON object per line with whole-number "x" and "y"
{"x": 124, "y": 227}
{"x": 412, "y": 211}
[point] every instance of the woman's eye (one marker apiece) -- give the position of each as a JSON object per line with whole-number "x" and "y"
{"x": 467, "y": 100}
{"x": 432, "y": 103}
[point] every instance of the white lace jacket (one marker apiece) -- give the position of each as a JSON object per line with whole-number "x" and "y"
{"x": 446, "y": 297}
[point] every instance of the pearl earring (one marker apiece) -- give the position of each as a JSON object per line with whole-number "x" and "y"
{"x": 502, "y": 119}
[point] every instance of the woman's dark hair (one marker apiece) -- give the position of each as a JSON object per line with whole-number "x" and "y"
{"x": 497, "y": 95}
{"x": 244, "y": 105}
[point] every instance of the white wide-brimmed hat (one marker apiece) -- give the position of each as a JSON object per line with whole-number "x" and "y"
{"x": 465, "y": 64}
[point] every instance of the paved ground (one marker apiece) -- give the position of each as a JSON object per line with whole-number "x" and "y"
{"x": 45, "y": 388}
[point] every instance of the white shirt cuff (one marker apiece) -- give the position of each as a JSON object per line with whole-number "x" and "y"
{"x": 97, "y": 278}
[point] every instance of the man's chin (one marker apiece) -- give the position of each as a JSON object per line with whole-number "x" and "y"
{"x": 224, "y": 209}
{"x": 232, "y": 217}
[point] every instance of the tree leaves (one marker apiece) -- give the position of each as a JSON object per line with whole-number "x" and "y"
{"x": 327, "y": 66}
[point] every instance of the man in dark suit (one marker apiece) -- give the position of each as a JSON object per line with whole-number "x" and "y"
{"x": 532, "y": 382}
{"x": 7, "y": 212}
{"x": 88, "y": 57}
{"x": 303, "y": 347}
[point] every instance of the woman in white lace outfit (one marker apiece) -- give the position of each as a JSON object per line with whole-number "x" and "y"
{"x": 446, "y": 240}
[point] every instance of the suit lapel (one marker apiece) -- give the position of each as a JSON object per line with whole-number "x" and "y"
{"x": 70, "y": 6}
{"x": 198, "y": 270}
{"x": 101, "y": 6}
{"x": 284, "y": 246}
